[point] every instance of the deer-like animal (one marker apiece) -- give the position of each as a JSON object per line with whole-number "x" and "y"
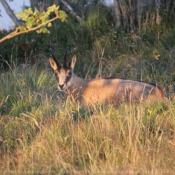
{"x": 104, "y": 90}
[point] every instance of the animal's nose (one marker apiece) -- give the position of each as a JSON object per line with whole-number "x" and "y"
{"x": 61, "y": 85}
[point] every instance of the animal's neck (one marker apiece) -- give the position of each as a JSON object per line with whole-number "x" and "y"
{"x": 78, "y": 85}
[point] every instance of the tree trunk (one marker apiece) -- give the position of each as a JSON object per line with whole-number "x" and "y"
{"x": 130, "y": 14}
{"x": 139, "y": 13}
{"x": 158, "y": 16}
{"x": 10, "y": 13}
{"x": 117, "y": 13}
{"x": 124, "y": 12}
{"x": 70, "y": 10}
{"x": 146, "y": 19}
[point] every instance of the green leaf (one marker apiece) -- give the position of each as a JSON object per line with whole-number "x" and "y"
{"x": 30, "y": 21}
{"x": 52, "y": 8}
{"x": 22, "y": 28}
{"x": 28, "y": 11}
{"x": 22, "y": 15}
{"x": 49, "y": 24}
{"x": 36, "y": 12}
{"x": 43, "y": 17}
{"x": 44, "y": 30}
{"x": 63, "y": 15}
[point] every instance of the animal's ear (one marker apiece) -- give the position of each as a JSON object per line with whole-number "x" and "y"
{"x": 72, "y": 62}
{"x": 53, "y": 63}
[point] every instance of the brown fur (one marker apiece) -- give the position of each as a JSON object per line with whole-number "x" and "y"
{"x": 113, "y": 91}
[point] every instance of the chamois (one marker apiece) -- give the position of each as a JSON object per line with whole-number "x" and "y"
{"x": 104, "y": 90}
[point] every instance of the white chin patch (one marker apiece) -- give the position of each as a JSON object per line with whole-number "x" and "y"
{"x": 62, "y": 89}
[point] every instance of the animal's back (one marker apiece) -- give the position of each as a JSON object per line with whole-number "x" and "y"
{"x": 116, "y": 91}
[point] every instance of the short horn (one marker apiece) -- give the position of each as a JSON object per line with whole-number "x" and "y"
{"x": 65, "y": 57}
{"x": 53, "y": 56}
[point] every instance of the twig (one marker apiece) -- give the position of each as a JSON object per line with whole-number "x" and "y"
{"x": 16, "y": 33}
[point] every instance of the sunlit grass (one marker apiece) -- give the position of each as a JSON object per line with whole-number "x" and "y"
{"x": 108, "y": 140}
{"x": 44, "y": 133}
{"x": 41, "y": 131}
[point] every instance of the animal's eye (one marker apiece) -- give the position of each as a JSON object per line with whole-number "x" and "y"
{"x": 55, "y": 73}
{"x": 70, "y": 73}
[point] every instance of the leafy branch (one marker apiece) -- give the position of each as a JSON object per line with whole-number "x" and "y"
{"x": 36, "y": 21}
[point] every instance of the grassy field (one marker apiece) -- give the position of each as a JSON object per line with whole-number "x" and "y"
{"x": 43, "y": 132}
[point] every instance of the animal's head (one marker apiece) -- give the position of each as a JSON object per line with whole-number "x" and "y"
{"x": 64, "y": 72}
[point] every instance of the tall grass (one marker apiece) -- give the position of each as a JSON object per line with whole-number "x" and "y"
{"x": 42, "y": 132}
